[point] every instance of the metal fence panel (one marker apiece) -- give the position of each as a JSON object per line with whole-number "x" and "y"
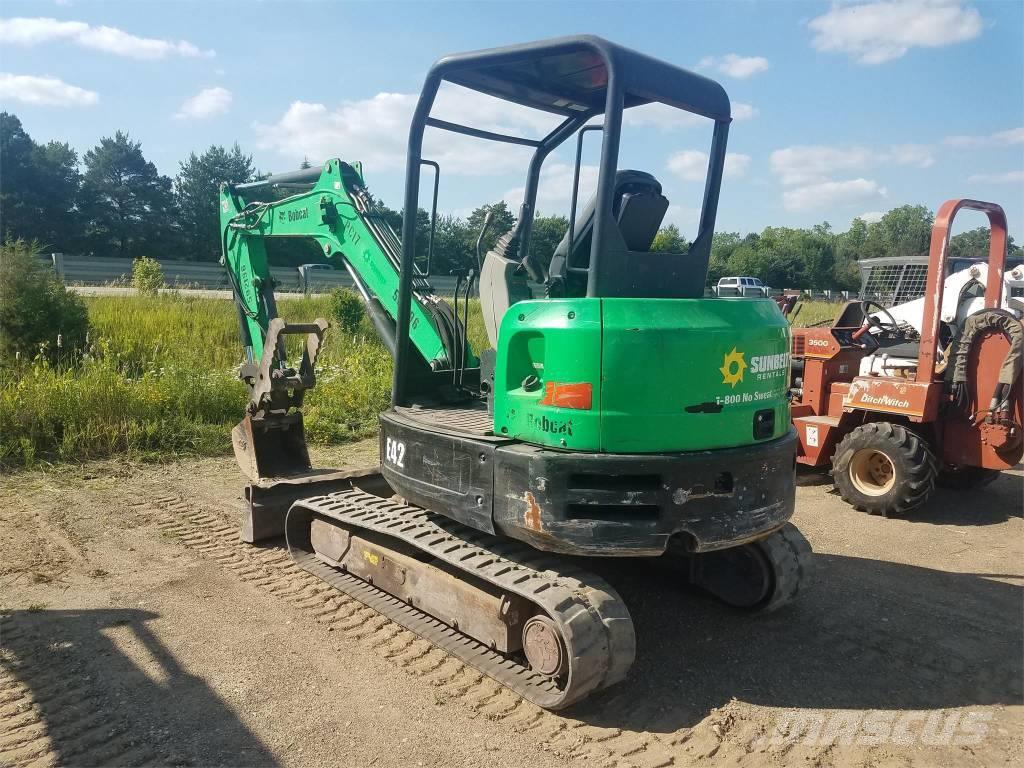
{"x": 85, "y": 270}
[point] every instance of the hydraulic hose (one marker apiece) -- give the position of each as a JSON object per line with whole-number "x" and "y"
{"x": 1000, "y": 321}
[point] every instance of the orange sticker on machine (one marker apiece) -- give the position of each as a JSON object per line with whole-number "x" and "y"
{"x": 577, "y": 396}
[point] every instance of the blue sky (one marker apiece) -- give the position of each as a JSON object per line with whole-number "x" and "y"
{"x": 841, "y": 109}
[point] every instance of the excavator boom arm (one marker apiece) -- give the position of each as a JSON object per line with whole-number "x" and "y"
{"x": 339, "y": 214}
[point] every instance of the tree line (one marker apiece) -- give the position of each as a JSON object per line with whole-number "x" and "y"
{"x": 112, "y": 201}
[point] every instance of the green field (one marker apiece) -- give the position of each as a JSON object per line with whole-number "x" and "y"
{"x": 159, "y": 381}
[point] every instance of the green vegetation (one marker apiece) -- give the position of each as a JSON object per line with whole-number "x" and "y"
{"x": 347, "y": 309}
{"x": 153, "y": 376}
{"x": 115, "y": 203}
{"x": 147, "y": 276}
{"x": 159, "y": 380}
{"x": 38, "y": 317}
{"x": 814, "y": 312}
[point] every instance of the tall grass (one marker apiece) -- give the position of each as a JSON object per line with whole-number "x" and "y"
{"x": 160, "y": 379}
{"x": 812, "y": 312}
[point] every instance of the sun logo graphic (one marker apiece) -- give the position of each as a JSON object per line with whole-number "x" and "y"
{"x": 732, "y": 368}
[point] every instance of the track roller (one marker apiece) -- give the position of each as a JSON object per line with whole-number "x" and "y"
{"x": 551, "y": 633}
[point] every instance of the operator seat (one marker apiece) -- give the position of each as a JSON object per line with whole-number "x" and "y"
{"x": 894, "y": 345}
{"x": 638, "y": 207}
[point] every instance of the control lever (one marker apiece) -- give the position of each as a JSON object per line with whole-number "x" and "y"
{"x": 480, "y": 240}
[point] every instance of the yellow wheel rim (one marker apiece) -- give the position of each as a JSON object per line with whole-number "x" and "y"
{"x": 872, "y": 472}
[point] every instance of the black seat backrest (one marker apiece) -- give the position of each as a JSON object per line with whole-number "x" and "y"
{"x": 852, "y": 316}
{"x": 639, "y": 208}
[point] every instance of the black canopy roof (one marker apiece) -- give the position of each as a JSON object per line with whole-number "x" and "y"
{"x": 570, "y": 76}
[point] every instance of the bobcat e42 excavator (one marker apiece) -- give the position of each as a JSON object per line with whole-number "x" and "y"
{"x": 621, "y": 414}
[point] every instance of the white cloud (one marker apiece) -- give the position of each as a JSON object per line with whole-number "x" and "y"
{"x": 872, "y": 217}
{"x": 809, "y": 172}
{"x": 667, "y": 118}
{"x": 44, "y": 91}
{"x": 375, "y": 130}
{"x": 372, "y": 130}
{"x": 682, "y": 216}
{"x": 692, "y": 164}
{"x": 661, "y": 116}
{"x": 1009, "y": 177}
{"x": 734, "y": 65}
{"x": 554, "y": 191}
{"x": 736, "y": 165}
{"x": 741, "y": 111}
{"x": 1012, "y": 136}
{"x": 38, "y": 30}
{"x": 828, "y": 194}
{"x": 689, "y": 164}
{"x": 1003, "y": 138}
{"x": 876, "y": 32}
{"x": 917, "y": 155}
{"x": 816, "y": 164}
{"x": 206, "y": 103}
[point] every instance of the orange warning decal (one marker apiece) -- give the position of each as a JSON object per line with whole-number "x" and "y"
{"x": 578, "y": 396}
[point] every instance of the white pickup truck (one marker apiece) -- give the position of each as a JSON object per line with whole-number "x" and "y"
{"x": 747, "y": 287}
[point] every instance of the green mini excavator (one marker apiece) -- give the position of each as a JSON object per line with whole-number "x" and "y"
{"x": 617, "y": 413}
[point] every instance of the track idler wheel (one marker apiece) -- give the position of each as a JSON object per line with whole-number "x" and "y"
{"x": 761, "y": 576}
{"x": 544, "y": 647}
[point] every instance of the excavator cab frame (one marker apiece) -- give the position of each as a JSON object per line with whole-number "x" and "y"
{"x": 578, "y": 78}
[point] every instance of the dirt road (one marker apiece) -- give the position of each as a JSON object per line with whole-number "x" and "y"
{"x": 135, "y": 630}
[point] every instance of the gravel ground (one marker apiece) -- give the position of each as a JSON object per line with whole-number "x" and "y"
{"x": 137, "y": 630}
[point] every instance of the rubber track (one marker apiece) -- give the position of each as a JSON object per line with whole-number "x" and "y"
{"x": 789, "y": 553}
{"x": 269, "y": 567}
{"x": 591, "y": 616}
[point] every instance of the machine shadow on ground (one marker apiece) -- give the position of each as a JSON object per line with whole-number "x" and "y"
{"x": 91, "y": 694}
{"x": 995, "y": 503}
{"x": 865, "y": 635}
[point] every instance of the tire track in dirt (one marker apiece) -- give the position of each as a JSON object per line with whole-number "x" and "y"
{"x": 207, "y": 528}
{"x": 51, "y": 714}
{"x": 270, "y": 568}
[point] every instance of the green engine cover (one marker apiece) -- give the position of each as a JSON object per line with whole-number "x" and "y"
{"x": 641, "y": 375}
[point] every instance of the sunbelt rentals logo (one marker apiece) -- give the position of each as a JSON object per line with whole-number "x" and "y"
{"x": 733, "y": 367}
{"x": 764, "y": 366}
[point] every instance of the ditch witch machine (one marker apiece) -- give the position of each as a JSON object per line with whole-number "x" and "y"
{"x": 618, "y": 414}
{"x": 926, "y": 391}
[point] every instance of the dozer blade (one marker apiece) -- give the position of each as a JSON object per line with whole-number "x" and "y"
{"x": 271, "y": 451}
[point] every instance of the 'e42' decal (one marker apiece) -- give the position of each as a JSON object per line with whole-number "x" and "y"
{"x": 394, "y": 452}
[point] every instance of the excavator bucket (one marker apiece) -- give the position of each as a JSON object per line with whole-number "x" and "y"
{"x": 271, "y": 447}
{"x": 270, "y": 442}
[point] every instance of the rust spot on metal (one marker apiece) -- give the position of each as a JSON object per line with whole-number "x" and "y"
{"x": 532, "y": 517}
